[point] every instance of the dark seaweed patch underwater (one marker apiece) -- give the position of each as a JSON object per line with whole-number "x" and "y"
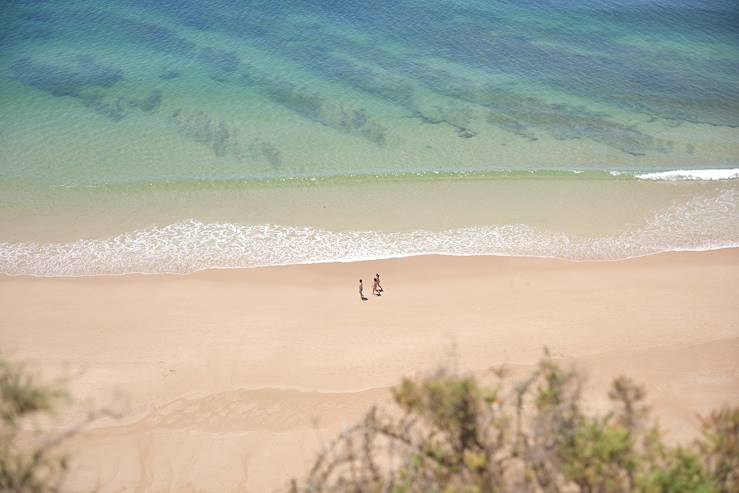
{"x": 65, "y": 80}
{"x": 84, "y": 79}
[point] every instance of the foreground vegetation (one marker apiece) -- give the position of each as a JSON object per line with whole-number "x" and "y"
{"x": 449, "y": 434}
{"x": 453, "y": 433}
{"x": 28, "y": 462}
{"x": 30, "y": 459}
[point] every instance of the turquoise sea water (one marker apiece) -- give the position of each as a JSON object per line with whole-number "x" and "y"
{"x": 163, "y": 136}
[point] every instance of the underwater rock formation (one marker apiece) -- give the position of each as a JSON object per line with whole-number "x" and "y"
{"x": 524, "y": 116}
{"x": 565, "y": 122}
{"x": 460, "y": 119}
{"x": 86, "y": 80}
{"x": 626, "y": 75}
{"x": 65, "y": 80}
{"x": 112, "y": 108}
{"x": 318, "y": 59}
{"x": 266, "y": 151}
{"x": 224, "y": 62}
{"x": 222, "y": 138}
{"x": 353, "y": 121}
{"x": 200, "y": 127}
{"x": 149, "y": 103}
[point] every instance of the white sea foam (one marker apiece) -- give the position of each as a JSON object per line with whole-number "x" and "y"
{"x": 692, "y": 174}
{"x": 700, "y": 224}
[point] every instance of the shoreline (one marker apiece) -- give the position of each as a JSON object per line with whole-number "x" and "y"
{"x": 224, "y": 370}
{"x": 191, "y": 246}
{"x": 216, "y": 269}
{"x": 185, "y": 231}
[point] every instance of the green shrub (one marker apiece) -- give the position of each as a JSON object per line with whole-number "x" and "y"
{"x": 458, "y": 434}
{"x": 28, "y": 463}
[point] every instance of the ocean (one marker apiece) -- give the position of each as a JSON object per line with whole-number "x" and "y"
{"x": 144, "y": 136}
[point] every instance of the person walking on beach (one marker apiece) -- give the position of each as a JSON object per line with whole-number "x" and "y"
{"x": 377, "y": 283}
{"x": 376, "y": 286}
{"x": 361, "y": 293}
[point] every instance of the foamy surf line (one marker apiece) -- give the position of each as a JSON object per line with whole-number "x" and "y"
{"x": 190, "y": 246}
{"x": 691, "y": 175}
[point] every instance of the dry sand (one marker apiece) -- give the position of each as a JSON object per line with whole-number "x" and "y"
{"x": 232, "y": 378}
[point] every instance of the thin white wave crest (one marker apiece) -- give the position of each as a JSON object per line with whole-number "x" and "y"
{"x": 716, "y": 174}
{"x": 692, "y": 175}
{"x": 700, "y": 224}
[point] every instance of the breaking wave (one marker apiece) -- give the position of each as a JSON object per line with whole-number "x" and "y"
{"x": 189, "y": 246}
{"x": 692, "y": 174}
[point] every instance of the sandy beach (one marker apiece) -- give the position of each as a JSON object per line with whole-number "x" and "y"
{"x": 230, "y": 380}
